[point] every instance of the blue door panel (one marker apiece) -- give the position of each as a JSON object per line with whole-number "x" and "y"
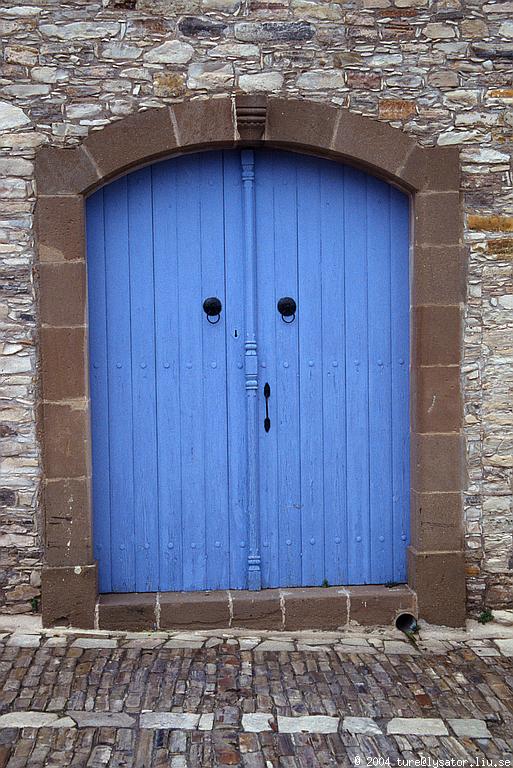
{"x": 169, "y": 555}
{"x": 400, "y": 311}
{"x": 168, "y": 391}
{"x": 334, "y": 466}
{"x": 332, "y": 350}
{"x": 280, "y": 481}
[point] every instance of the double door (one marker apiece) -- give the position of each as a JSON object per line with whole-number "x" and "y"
{"x": 248, "y": 321}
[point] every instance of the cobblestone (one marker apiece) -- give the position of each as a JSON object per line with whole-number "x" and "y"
{"x": 127, "y": 705}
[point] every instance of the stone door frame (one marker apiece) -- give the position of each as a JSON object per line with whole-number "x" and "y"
{"x": 65, "y": 176}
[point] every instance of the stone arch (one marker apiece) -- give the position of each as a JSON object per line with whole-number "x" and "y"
{"x": 65, "y": 176}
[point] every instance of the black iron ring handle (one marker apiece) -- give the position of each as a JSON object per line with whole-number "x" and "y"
{"x": 287, "y": 308}
{"x": 212, "y": 307}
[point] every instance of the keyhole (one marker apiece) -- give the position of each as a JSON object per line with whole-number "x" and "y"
{"x": 235, "y": 333}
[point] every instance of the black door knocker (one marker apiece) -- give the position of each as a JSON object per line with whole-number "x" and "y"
{"x": 212, "y": 308}
{"x": 287, "y": 308}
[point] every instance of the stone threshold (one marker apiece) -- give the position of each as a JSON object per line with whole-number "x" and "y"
{"x": 315, "y": 608}
{"x": 252, "y": 722}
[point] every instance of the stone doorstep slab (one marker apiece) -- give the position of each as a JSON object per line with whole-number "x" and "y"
{"x": 24, "y": 641}
{"x": 295, "y": 609}
{"x": 87, "y": 643}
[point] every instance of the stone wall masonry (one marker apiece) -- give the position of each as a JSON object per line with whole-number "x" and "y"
{"x": 441, "y": 71}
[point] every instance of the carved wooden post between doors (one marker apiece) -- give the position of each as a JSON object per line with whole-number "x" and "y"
{"x": 251, "y": 369}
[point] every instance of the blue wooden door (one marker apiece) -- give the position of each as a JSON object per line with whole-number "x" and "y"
{"x": 190, "y": 491}
{"x": 334, "y": 465}
{"x": 168, "y": 452}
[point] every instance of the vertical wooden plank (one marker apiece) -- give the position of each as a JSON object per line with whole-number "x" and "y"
{"x": 400, "y": 302}
{"x": 357, "y": 422}
{"x": 309, "y": 319}
{"x": 380, "y": 389}
{"x": 286, "y": 269}
{"x": 235, "y": 393}
{"x": 217, "y": 538}
{"x": 167, "y": 340}
{"x": 333, "y": 382}
{"x": 190, "y": 324}
{"x": 98, "y": 374}
{"x": 142, "y": 319}
{"x": 117, "y": 271}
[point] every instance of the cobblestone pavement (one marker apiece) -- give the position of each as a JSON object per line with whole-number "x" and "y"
{"x": 292, "y": 700}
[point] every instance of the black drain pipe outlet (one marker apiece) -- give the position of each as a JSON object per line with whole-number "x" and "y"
{"x": 407, "y": 623}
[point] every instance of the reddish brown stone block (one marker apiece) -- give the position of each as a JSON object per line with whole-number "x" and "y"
{"x": 375, "y": 146}
{"x": 491, "y": 223}
{"x": 204, "y": 123}
{"x": 300, "y": 123}
{"x": 133, "y": 612}
{"x": 365, "y": 80}
{"x": 501, "y": 246}
{"x": 437, "y": 463}
{"x": 257, "y": 610}
{"x": 194, "y": 610}
{"x": 135, "y": 139}
{"x": 65, "y": 433}
{"x": 68, "y": 537}
{"x": 315, "y": 608}
{"x": 435, "y": 168}
{"x": 60, "y": 228}
{"x": 62, "y": 171}
{"x": 62, "y": 293}
{"x": 437, "y": 334}
{"x": 437, "y": 521}
{"x": 438, "y": 218}
{"x": 376, "y": 604}
{"x": 69, "y": 596}
{"x": 439, "y": 275}
{"x": 438, "y": 578}
{"x": 437, "y": 399}
{"x": 63, "y": 358}
{"x": 396, "y": 109}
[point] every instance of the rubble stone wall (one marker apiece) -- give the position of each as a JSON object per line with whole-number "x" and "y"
{"x": 440, "y": 71}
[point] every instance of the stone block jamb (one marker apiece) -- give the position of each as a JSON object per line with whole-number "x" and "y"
{"x": 64, "y": 178}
